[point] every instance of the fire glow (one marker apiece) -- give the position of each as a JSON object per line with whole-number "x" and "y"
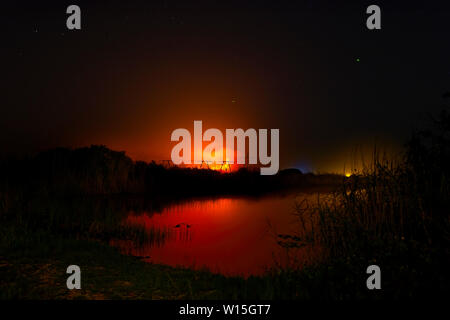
{"x": 214, "y": 153}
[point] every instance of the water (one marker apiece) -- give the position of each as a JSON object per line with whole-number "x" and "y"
{"x": 228, "y": 235}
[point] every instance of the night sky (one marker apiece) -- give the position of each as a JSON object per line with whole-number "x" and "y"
{"x": 137, "y": 70}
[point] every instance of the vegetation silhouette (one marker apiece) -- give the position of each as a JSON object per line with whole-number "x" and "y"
{"x": 395, "y": 215}
{"x": 98, "y": 170}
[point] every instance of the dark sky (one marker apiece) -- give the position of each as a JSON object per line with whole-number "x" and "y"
{"x": 137, "y": 70}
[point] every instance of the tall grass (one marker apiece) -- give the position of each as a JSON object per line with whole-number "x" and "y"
{"x": 395, "y": 213}
{"x": 384, "y": 203}
{"x": 37, "y": 220}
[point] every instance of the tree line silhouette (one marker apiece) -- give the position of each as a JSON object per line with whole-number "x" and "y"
{"x": 99, "y": 170}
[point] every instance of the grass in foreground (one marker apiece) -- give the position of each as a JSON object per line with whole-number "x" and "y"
{"x": 39, "y": 273}
{"x": 394, "y": 216}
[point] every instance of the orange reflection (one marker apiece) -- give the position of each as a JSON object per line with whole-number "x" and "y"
{"x": 232, "y": 236}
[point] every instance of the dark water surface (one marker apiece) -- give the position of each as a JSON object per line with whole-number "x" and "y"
{"x": 228, "y": 235}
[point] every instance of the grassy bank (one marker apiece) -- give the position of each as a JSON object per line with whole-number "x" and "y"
{"x": 106, "y": 274}
{"x": 35, "y": 267}
{"x": 38, "y": 272}
{"x": 386, "y": 217}
{"x": 394, "y": 214}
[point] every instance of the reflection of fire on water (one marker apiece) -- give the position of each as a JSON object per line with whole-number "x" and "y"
{"x": 158, "y": 238}
{"x": 183, "y": 232}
